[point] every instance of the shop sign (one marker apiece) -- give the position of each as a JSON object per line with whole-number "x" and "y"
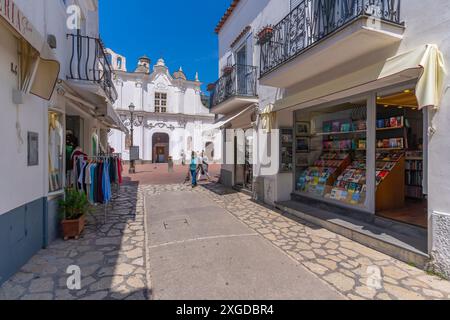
{"x": 134, "y": 153}
{"x": 11, "y": 13}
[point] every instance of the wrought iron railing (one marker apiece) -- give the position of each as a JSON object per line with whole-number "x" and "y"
{"x": 313, "y": 20}
{"x": 237, "y": 80}
{"x": 89, "y": 62}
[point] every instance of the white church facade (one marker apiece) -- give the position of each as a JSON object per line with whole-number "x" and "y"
{"x": 170, "y": 119}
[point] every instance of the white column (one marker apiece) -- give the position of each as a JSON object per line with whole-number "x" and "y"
{"x": 371, "y": 152}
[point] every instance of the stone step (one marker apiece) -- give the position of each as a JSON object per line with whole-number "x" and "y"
{"x": 397, "y": 240}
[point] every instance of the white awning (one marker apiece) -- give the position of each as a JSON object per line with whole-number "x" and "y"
{"x": 426, "y": 64}
{"x": 240, "y": 119}
{"x": 113, "y": 120}
{"x": 40, "y": 65}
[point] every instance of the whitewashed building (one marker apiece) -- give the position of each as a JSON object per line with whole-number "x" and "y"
{"x": 358, "y": 99}
{"x": 57, "y": 92}
{"x": 170, "y": 118}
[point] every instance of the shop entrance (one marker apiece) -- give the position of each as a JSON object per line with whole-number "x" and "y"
{"x": 244, "y": 162}
{"x": 160, "y": 143}
{"x": 402, "y": 191}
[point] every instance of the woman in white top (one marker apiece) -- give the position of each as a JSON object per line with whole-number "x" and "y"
{"x": 203, "y": 163}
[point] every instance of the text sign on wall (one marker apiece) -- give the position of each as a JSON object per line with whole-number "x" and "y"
{"x": 134, "y": 153}
{"x": 11, "y": 13}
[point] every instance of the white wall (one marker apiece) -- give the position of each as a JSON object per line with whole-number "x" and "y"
{"x": 19, "y": 184}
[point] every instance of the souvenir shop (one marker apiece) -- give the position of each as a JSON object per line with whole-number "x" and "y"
{"x": 90, "y": 168}
{"x": 69, "y": 128}
{"x": 353, "y": 156}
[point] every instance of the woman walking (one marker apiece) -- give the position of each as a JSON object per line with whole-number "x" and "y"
{"x": 193, "y": 169}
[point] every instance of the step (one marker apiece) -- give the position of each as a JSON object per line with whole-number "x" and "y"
{"x": 403, "y": 242}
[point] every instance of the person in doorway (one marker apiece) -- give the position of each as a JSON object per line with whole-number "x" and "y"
{"x": 183, "y": 158}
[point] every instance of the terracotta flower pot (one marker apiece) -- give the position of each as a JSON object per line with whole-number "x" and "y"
{"x": 73, "y": 228}
{"x": 265, "y": 35}
{"x": 227, "y": 70}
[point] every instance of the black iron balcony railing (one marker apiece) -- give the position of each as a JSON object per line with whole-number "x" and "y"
{"x": 88, "y": 62}
{"x": 313, "y": 20}
{"x": 237, "y": 80}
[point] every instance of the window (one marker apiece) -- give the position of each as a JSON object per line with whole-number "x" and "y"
{"x": 160, "y": 102}
{"x": 331, "y": 147}
{"x": 119, "y": 63}
{"x": 55, "y": 151}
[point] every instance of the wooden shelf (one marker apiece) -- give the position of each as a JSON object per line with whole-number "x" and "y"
{"x": 390, "y": 128}
{"x": 390, "y": 149}
{"x": 339, "y": 133}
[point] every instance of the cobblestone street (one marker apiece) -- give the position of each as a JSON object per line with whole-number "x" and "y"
{"x": 113, "y": 264}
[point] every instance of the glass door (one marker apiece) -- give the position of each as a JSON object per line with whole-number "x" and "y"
{"x": 241, "y": 70}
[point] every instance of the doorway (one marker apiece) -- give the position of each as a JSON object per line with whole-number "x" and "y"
{"x": 402, "y": 190}
{"x": 241, "y": 70}
{"x": 160, "y": 150}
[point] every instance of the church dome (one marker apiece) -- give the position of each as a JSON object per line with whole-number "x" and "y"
{"x": 179, "y": 74}
{"x": 143, "y": 65}
{"x": 161, "y": 63}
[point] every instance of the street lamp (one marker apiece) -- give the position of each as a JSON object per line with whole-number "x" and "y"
{"x": 132, "y": 169}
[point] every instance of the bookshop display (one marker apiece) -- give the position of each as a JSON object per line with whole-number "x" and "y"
{"x": 335, "y": 165}
{"x": 330, "y": 156}
{"x": 331, "y": 148}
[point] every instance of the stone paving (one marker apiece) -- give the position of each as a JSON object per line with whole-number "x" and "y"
{"x": 110, "y": 257}
{"x": 354, "y": 270}
{"x": 113, "y": 264}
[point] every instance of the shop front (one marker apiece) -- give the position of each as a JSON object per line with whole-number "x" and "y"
{"x": 364, "y": 158}
{"x": 74, "y": 123}
{"x": 361, "y": 144}
{"x": 238, "y": 148}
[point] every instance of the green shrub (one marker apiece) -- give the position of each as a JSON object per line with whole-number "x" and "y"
{"x": 74, "y": 205}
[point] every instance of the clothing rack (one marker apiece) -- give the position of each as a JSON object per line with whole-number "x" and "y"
{"x": 100, "y": 157}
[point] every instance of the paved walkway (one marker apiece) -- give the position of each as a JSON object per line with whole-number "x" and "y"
{"x": 354, "y": 270}
{"x": 198, "y": 250}
{"x": 111, "y": 256}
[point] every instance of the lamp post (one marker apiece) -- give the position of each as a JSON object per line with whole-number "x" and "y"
{"x": 132, "y": 169}
{"x": 134, "y": 122}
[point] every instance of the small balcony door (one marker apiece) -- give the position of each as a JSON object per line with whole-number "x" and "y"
{"x": 241, "y": 70}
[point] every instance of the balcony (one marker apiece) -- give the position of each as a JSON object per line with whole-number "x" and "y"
{"x": 235, "y": 90}
{"x": 320, "y": 35}
{"x": 89, "y": 64}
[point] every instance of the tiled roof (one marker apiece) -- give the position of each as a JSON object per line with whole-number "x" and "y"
{"x": 227, "y": 14}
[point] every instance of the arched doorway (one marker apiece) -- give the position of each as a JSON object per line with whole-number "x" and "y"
{"x": 160, "y": 149}
{"x": 209, "y": 150}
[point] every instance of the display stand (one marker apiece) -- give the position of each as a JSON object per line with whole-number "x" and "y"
{"x": 391, "y": 190}
{"x": 97, "y": 158}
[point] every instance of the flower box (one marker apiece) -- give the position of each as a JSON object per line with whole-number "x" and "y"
{"x": 73, "y": 228}
{"x": 265, "y": 35}
{"x": 227, "y": 70}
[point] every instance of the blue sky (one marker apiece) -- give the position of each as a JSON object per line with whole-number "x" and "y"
{"x": 180, "y": 31}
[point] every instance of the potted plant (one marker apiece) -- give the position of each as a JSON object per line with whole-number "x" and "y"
{"x": 73, "y": 209}
{"x": 265, "y": 34}
{"x": 227, "y": 70}
{"x": 211, "y": 87}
